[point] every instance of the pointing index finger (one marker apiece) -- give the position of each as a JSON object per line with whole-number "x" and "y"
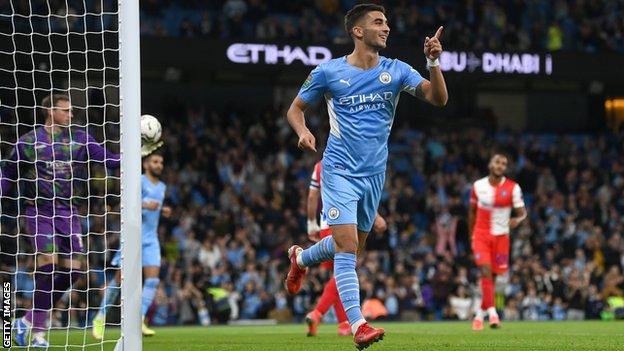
{"x": 438, "y": 32}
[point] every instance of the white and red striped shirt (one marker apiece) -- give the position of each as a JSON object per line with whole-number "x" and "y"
{"x": 315, "y": 183}
{"x": 494, "y": 204}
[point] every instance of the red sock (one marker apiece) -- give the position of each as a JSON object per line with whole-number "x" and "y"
{"x": 328, "y": 297}
{"x": 487, "y": 289}
{"x": 331, "y": 288}
{"x": 341, "y": 315}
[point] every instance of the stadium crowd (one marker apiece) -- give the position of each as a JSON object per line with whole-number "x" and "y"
{"x": 238, "y": 188}
{"x": 239, "y": 191}
{"x": 475, "y": 25}
{"x": 518, "y": 25}
{"x": 238, "y": 185}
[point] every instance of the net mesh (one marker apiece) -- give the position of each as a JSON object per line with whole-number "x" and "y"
{"x": 60, "y": 186}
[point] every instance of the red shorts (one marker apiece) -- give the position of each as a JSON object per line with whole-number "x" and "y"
{"x": 327, "y": 264}
{"x": 491, "y": 249}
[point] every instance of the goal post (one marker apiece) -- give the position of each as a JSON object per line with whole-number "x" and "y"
{"x": 130, "y": 99}
{"x": 70, "y": 190}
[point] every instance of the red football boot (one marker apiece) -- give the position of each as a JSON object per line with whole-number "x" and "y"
{"x": 313, "y": 319}
{"x": 477, "y": 324}
{"x": 494, "y": 322}
{"x": 296, "y": 273}
{"x": 366, "y": 335}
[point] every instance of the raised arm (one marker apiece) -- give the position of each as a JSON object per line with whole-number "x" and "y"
{"x": 434, "y": 90}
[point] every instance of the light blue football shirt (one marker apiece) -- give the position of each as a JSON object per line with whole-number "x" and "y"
{"x": 361, "y": 105}
{"x": 151, "y": 192}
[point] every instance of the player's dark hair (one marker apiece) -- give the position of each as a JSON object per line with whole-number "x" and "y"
{"x": 50, "y": 101}
{"x": 502, "y": 154}
{"x": 154, "y": 153}
{"x": 357, "y": 12}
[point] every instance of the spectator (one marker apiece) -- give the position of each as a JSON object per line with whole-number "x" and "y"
{"x": 209, "y": 255}
{"x": 493, "y": 26}
{"x": 461, "y": 304}
{"x": 239, "y": 196}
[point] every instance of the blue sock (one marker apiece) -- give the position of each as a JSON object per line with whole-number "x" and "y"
{"x": 320, "y": 252}
{"x": 149, "y": 292}
{"x": 348, "y": 285}
{"x": 110, "y": 295}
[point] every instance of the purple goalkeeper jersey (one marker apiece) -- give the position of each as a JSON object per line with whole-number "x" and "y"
{"x": 52, "y": 170}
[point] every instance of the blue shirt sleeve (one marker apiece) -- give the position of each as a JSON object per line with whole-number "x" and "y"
{"x": 411, "y": 78}
{"x": 314, "y": 86}
{"x": 144, "y": 190}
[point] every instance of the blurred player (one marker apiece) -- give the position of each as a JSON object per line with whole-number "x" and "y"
{"x": 329, "y": 297}
{"x": 361, "y": 91}
{"x": 491, "y": 202}
{"x": 153, "y": 196}
{"x": 51, "y": 162}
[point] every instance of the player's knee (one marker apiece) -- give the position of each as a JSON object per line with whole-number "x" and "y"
{"x": 345, "y": 238}
{"x": 486, "y": 271}
{"x": 70, "y": 264}
{"x": 152, "y": 283}
{"x": 45, "y": 259}
{"x": 348, "y": 246}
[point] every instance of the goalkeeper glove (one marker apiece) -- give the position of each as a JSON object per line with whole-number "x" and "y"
{"x": 148, "y": 148}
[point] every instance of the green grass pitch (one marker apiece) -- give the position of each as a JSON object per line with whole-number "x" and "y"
{"x": 559, "y": 336}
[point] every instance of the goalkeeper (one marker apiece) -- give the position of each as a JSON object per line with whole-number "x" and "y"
{"x": 50, "y": 166}
{"x": 153, "y": 196}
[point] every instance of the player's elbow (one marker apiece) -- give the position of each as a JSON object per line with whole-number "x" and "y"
{"x": 289, "y": 113}
{"x": 440, "y": 101}
{"x": 437, "y": 100}
{"x": 297, "y": 107}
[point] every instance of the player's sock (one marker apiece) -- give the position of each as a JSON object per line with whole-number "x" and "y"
{"x": 328, "y": 297}
{"x": 480, "y": 314}
{"x": 321, "y": 251}
{"x": 487, "y": 289}
{"x": 330, "y": 288}
{"x": 62, "y": 281}
{"x": 149, "y": 292}
{"x": 348, "y": 287}
{"x": 110, "y": 296}
{"x": 341, "y": 315}
{"x": 203, "y": 316}
{"x": 492, "y": 311}
{"x": 39, "y": 335}
{"x": 42, "y": 304}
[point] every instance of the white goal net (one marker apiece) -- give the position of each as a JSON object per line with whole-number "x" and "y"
{"x": 60, "y": 145}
